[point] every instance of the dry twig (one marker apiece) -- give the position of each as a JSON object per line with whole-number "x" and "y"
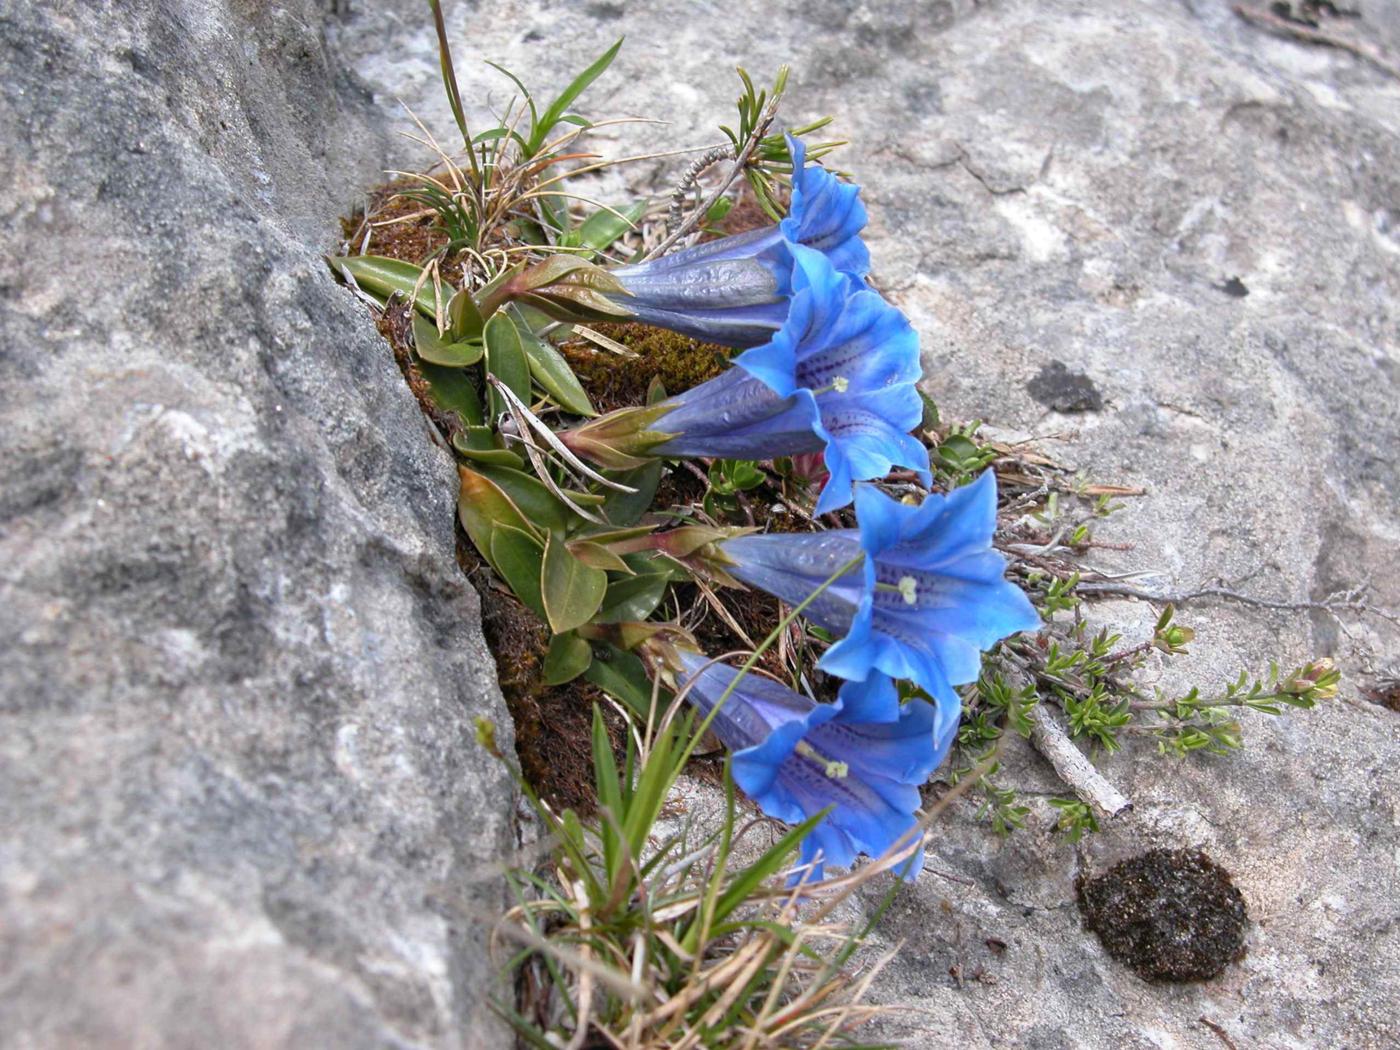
{"x": 1051, "y": 740}
{"x": 1307, "y": 34}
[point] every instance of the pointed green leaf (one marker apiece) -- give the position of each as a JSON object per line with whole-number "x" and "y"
{"x": 539, "y": 133}
{"x": 567, "y": 658}
{"x": 606, "y": 536}
{"x": 603, "y": 227}
{"x": 533, "y": 498}
{"x": 505, "y": 359}
{"x": 623, "y": 677}
{"x": 609, "y": 792}
{"x": 549, "y": 368}
{"x": 529, "y": 98}
{"x": 518, "y": 556}
{"x": 483, "y": 507}
{"x": 633, "y": 598}
{"x": 768, "y": 865}
{"x": 384, "y": 277}
{"x": 598, "y": 556}
{"x": 452, "y": 391}
{"x": 627, "y": 508}
{"x": 464, "y": 320}
{"x": 572, "y": 591}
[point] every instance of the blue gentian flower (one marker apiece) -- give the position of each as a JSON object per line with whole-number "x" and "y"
{"x": 734, "y": 290}
{"x": 864, "y": 756}
{"x": 926, "y": 599}
{"x": 838, "y": 378}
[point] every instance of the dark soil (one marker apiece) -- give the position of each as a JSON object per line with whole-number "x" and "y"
{"x": 1168, "y": 915}
{"x": 400, "y": 229}
{"x": 553, "y": 724}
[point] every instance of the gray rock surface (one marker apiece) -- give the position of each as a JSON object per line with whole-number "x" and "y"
{"x": 1088, "y": 189}
{"x": 240, "y": 801}
{"x": 240, "y": 804}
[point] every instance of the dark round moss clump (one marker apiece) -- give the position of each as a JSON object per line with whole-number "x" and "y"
{"x": 1168, "y": 915}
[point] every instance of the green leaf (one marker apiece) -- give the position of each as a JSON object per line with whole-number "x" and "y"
{"x": 571, "y": 590}
{"x": 505, "y": 359}
{"x": 623, "y": 677}
{"x": 529, "y": 99}
{"x": 930, "y": 417}
{"x": 609, "y": 792}
{"x": 385, "y": 277}
{"x": 556, "y": 211}
{"x": 549, "y": 368}
{"x": 598, "y": 556}
{"x": 567, "y": 658}
{"x": 518, "y": 556}
{"x": 479, "y": 437}
{"x": 557, "y": 108}
{"x": 484, "y": 507}
{"x": 532, "y": 497}
{"x": 463, "y": 318}
{"x": 768, "y": 865}
{"x": 633, "y": 598}
{"x": 657, "y": 775}
{"x": 627, "y": 508}
{"x": 654, "y": 563}
{"x": 603, "y": 227}
{"x": 469, "y": 447}
{"x": 719, "y": 209}
{"x": 433, "y": 348}
{"x": 452, "y": 391}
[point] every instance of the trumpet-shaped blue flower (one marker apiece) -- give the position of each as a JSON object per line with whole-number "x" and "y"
{"x": 837, "y": 378}
{"x": 864, "y": 756}
{"x": 734, "y": 290}
{"x": 926, "y": 599}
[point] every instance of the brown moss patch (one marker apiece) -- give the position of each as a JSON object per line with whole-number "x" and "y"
{"x": 1168, "y": 915}
{"x": 614, "y": 381}
{"x": 400, "y": 229}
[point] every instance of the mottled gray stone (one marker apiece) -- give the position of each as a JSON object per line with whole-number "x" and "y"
{"x": 1054, "y": 181}
{"x": 240, "y": 801}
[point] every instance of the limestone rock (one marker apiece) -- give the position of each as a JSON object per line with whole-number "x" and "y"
{"x": 240, "y": 800}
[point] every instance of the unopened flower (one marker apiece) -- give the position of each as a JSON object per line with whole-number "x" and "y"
{"x": 864, "y": 756}
{"x": 837, "y": 378}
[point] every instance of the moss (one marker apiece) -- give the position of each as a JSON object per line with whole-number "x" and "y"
{"x": 614, "y": 381}
{"x": 1168, "y": 915}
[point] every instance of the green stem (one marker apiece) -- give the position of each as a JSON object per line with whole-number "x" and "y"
{"x": 454, "y": 94}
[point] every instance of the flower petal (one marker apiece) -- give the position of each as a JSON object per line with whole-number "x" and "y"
{"x": 826, "y": 213}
